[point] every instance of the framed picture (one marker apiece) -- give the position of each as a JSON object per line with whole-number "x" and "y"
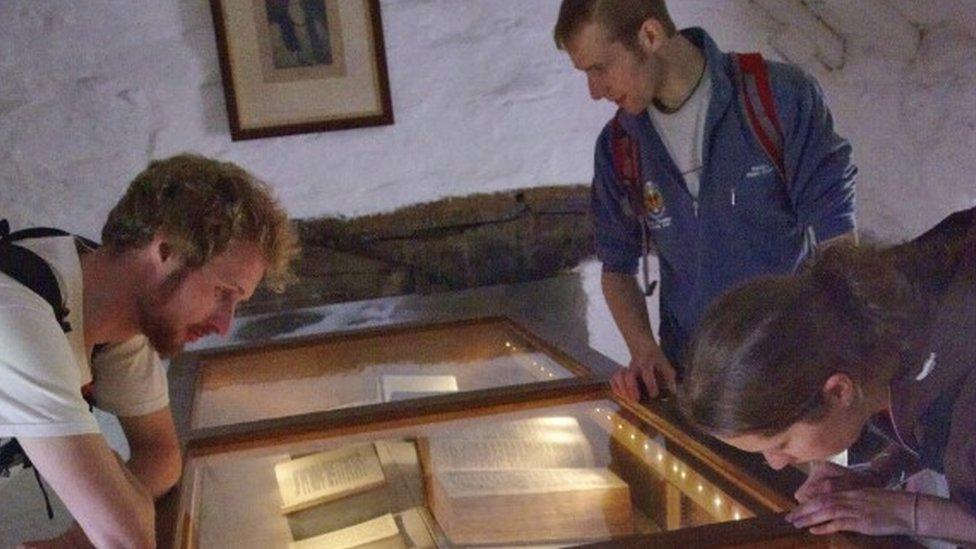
{"x": 301, "y": 66}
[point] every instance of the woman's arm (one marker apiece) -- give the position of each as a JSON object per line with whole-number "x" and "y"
{"x": 886, "y": 469}
{"x": 880, "y": 512}
{"x": 941, "y": 518}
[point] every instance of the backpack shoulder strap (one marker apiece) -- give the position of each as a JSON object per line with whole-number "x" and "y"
{"x": 756, "y": 99}
{"x": 29, "y": 269}
{"x": 626, "y": 162}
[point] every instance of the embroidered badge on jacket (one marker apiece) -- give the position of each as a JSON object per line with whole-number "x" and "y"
{"x": 654, "y": 205}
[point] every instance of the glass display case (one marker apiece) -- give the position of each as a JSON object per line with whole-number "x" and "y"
{"x": 368, "y": 367}
{"x": 546, "y": 474}
{"x": 476, "y": 433}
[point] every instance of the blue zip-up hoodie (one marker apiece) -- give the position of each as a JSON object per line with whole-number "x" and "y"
{"x": 746, "y": 221}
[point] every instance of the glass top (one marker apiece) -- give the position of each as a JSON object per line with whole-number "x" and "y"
{"x": 277, "y": 382}
{"x": 547, "y": 477}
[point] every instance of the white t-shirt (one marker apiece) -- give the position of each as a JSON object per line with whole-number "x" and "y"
{"x": 42, "y": 369}
{"x": 683, "y": 132}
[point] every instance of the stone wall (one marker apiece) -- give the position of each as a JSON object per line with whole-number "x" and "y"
{"x": 447, "y": 245}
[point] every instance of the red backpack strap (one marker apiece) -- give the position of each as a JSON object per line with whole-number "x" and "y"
{"x": 756, "y": 99}
{"x": 626, "y": 162}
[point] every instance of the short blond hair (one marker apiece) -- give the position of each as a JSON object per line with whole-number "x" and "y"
{"x": 203, "y": 205}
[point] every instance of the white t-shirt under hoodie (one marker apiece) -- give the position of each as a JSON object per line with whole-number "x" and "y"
{"x": 683, "y": 132}
{"x": 42, "y": 369}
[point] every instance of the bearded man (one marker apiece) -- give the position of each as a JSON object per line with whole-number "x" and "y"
{"x": 190, "y": 239}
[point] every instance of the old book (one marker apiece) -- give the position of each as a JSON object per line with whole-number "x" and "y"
{"x": 379, "y": 533}
{"x": 530, "y": 505}
{"x": 403, "y": 489}
{"x": 524, "y": 444}
{"x": 533, "y": 480}
{"x": 327, "y": 476}
{"x": 394, "y": 387}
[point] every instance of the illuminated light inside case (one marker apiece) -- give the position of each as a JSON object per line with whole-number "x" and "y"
{"x": 569, "y": 446}
{"x": 653, "y": 452}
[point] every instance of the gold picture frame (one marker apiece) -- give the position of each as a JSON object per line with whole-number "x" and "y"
{"x": 301, "y": 66}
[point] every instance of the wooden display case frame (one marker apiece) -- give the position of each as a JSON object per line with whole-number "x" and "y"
{"x": 768, "y": 493}
{"x": 184, "y": 371}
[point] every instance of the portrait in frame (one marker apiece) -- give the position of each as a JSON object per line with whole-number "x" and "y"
{"x": 301, "y": 66}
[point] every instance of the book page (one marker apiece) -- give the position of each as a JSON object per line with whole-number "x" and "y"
{"x": 540, "y": 443}
{"x": 396, "y": 387}
{"x": 531, "y": 481}
{"x": 459, "y": 454}
{"x": 559, "y": 429}
{"x": 326, "y": 476}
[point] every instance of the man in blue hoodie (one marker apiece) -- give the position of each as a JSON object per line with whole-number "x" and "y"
{"x": 717, "y": 206}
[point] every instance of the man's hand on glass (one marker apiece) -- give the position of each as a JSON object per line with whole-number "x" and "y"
{"x": 649, "y": 367}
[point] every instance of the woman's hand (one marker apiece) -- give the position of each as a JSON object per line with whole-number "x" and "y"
{"x": 826, "y": 478}
{"x": 871, "y": 511}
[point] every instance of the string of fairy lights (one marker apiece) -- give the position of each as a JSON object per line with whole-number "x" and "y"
{"x": 542, "y": 371}
{"x": 653, "y": 453}
{"x": 674, "y": 471}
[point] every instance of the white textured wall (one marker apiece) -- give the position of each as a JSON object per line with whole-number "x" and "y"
{"x": 90, "y": 90}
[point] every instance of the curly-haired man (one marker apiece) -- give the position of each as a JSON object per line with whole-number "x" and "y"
{"x": 190, "y": 239}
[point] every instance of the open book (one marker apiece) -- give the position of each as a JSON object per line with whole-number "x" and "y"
{"x": 337, "y": 489}
{"x": 327, "y": 476}
{"x": 532, "y": 480}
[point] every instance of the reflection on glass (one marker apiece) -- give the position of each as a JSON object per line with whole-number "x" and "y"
{"x": 279, "y": 382}
{"x": 548, "y": 477}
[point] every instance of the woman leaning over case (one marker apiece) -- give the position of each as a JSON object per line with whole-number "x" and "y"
{"x": 797, "y": 366}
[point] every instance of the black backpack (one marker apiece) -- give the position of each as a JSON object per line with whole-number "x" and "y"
{"x": 32, "y": 271}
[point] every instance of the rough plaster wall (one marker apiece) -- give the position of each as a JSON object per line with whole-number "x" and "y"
{"x": 906, "y": 97}
{"x": 916, "y": 156}
{"x": 89, "y": 91}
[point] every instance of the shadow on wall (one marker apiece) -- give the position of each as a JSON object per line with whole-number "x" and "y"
{"x": 451, "y": 244}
